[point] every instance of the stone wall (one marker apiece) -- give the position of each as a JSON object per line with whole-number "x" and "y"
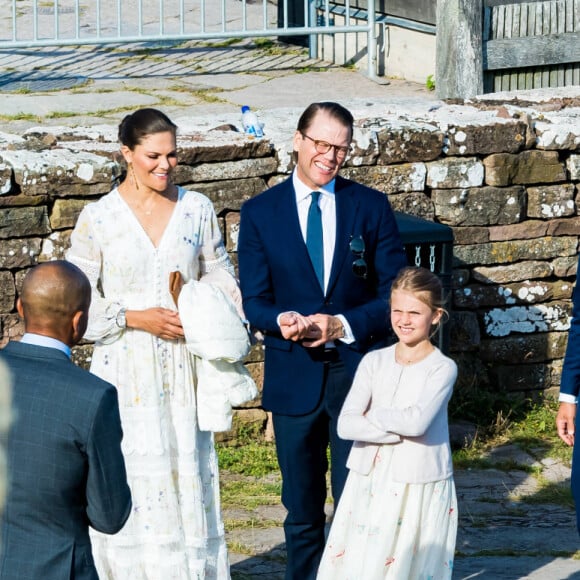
{"x": 505, "y": 176}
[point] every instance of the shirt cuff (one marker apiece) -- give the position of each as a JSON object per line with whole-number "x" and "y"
{"x": 348, "y": 337}
{"x": 282, "y": 314}
{"x": 566, "y": 398}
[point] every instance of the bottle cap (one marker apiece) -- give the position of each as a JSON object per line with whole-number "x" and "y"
{"x": 245, "y": 108}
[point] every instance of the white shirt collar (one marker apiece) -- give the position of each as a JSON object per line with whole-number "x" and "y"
{"x": 303, "y": 191}
{"x": 47, "y": 341}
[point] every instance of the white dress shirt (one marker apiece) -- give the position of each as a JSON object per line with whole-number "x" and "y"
{"x": 327, "y": 204}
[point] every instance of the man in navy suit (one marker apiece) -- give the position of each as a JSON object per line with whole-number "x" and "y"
{"x": 569, "y": 389}
{"x": 315, "y": 273}
{"x": 65, "y": 466}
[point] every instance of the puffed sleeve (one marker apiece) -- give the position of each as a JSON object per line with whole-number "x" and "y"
{"x": 85, "y": 253}
{"x": 213, "y": 252}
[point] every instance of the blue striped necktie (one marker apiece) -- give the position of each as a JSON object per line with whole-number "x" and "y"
{"x": 314, "y": 242}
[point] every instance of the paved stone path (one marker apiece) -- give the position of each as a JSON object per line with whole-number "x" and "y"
{"x": 506, "y": 530}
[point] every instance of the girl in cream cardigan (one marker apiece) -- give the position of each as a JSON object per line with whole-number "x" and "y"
{"x": 397, "y": 518}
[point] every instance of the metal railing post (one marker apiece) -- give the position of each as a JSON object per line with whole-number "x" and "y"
{"x": 313, "y": 38}
{"x": 372, "y": 45}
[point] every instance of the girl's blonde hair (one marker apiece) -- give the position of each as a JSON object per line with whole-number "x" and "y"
{"x": 424, "y": 285}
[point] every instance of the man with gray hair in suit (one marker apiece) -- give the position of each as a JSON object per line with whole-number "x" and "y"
{"x": 66, "y": 471}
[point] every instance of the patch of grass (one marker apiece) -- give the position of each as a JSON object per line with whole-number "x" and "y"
{"x": 207, "y": 96}
{"x": 250, "y": 458}
{"x": 61, "y": 115}
{"x": 21, "y": 117}
{"x": 222, "y": 43}
{"x": 249, "y": 494}
{"x": 551, "y": 493}
{"x": 250, "y": 524}
{"x": 239, "y": 548}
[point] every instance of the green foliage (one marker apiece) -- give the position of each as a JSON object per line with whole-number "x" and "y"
{"x": 250, "y": 458}
{"x": 430, "y": 83}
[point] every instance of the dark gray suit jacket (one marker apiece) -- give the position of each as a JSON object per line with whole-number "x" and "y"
{"x": 65, "y": 467}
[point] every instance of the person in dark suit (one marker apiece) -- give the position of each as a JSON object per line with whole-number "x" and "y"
{"x": 315, "y": 273}
{"x": 569, "y": 389}
{"x": 65, "y": 467}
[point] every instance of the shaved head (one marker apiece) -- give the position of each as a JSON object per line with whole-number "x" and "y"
{"x": 52, "y": 294}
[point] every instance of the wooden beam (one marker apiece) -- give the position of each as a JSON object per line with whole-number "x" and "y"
{"x": 459, "y": 68}
{"x": 551, "y": 49}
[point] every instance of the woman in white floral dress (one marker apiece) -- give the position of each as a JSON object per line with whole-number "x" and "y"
{"x": 128, "y": 243}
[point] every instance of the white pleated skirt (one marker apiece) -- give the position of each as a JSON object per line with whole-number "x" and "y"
{"x": 383, "y": 529}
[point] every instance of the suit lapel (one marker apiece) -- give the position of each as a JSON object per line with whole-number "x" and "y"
{"x": 288, "y": 233}
{"x": 347, "y": 203}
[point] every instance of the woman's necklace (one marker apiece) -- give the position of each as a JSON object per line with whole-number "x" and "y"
{"x": 413, "y": 355}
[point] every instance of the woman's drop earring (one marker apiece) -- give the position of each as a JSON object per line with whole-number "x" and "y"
{"x": 132, "y": 177}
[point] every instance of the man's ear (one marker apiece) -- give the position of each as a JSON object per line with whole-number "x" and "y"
{"x": 20, "y": 308}
{"x": 79, "y": 325}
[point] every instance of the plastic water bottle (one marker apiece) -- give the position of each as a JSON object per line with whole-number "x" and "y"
{"x": 250, "y": 123}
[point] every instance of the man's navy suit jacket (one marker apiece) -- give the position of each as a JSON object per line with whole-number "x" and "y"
{"x": 570, "y": 380}
{"x": 65, "y": 467}
{"x": 276, "y": 275}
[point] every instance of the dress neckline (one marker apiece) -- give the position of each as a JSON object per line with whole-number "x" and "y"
{"x": 127, "y": 207}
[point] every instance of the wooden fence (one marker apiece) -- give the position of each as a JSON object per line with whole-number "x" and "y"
{"x": 500, "y": 45}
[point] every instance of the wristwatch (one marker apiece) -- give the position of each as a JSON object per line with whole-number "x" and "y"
{"x": 121, "y": 318}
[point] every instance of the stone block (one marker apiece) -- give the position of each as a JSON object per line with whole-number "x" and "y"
{"x": 517, "y": 378}
{"x": 230, "y": 195}
{"x": 60, "y": 172}
{"x": 16, "y": 222}
{"x": 364, "y": 147}
{"x": 528, "y": 292}
{"x": 12, "y": 328}
{"x": 573, "y": 167}
{"x": 479, "y": 206}
{"x": 417, "y": 204}
{"x": 498, "y": 137}
{"x": 522, "y": 231}
{"x": 19, "y": 253}
{"x": 464, "y": 331}
{"x": 551, "y": 201}
{"x": 196, "y": 148}
{"x": 408, "y": 143}
{"x": 460, "y": 277}
{"x": 244, "y": 421}
{"x": 529, "y": 270}
{"x": 558, "y": 132}
{"x": 225, "y": 170}
{"x": 232, "y": 230}
{"x": 23, "y": 200}
{"x": 528, "y": 167}
{"x": 565, "y": 267}
{"x": 82, "y": 355}
{"x": 529, "y": 349}
{"x": 65, "y": 213}
{"x": 54, "y": 246}
{"x": 455, "y": 173}
{"x": 5, "y": 178}
{"x": 564, "y": 227}
{"x": 470, "y": 235}
{"x": 515, "y": 250}
{"x": 390, "y": 179}
{"x": 546, "y": 317}
{"x": 7, "y": 292}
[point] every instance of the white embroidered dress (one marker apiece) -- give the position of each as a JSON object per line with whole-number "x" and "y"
{"x": 175, "y": 531}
